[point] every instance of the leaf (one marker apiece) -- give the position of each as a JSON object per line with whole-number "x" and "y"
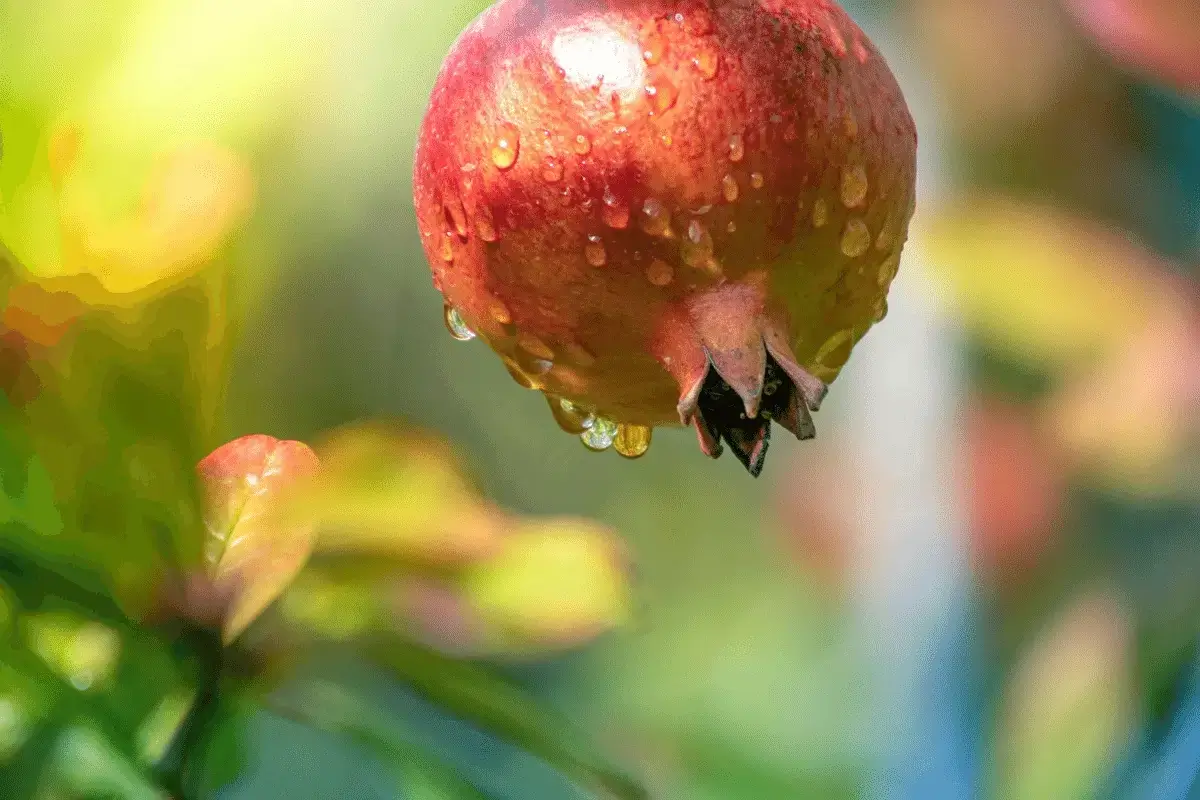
{"x": 1141, "y": 444}
{"x": 399, "y": 494}
{"x": 552, "y": 584}
{"x": 1156, "y": 36}
{"x": 475, "y": 694}
{"x": 85, "y": 765}
{"x": 1040, "y": 284}
{"x": 1069, "y": 705}
{"x": 252, "y": 551}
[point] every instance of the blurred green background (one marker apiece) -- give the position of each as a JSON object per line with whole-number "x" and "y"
{"x": 978, "y": 581}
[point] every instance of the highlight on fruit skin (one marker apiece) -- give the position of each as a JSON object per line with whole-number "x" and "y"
{"x": 663, "y": 212}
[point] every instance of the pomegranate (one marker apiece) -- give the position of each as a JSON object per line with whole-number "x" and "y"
{"x": 664, "y": 212}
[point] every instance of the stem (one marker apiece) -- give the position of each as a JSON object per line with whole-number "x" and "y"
{"x": 175, "y": 766}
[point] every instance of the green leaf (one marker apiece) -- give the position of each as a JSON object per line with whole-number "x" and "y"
{"x": 474, "y": 693}
{"x": 85, "y": 765}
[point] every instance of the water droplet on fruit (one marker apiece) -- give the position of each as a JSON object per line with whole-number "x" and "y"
{"x": 500, "y": 312}
{"x": 820, "y": 214}
{"x": 667, "y": 139}
{"x": 455, "y": 324}
{"x": 594, "y": 251}
{"x": 660, "y": 273}
{"x": 888, "y": 269}
{"x": 632, "y": 441}
{"x": 523, "y": 380}
{"x": 850, "y": 126}
{"x": 600, "y": 435}
{"x": 885, "y": 238}
{"x": 455, "y": 216}
{"x": 707, "y": 63}
{"x": 702, "y": 210}
{"x": 532, "y": 345}
{"x": 856, "y": 238}
{"x": 540, "y": 366}
{"x": 447, "y": 250}
{"x": 552, "y": 170}
{"x": 860, "y": 51}
{"x": 731, "y": 227}
{"x": 615, "y": 211}
{"x": 729, "y": 188}
{"x": 656, "y": 219}
{"x": 662, "y": 94}
{"x": 756, "y": 180}
{"x": 506, "y": 146}
{"x": 484, "y": 224}
{"x": 570, "y": 417}
{"x": 583, "y": 145}
{"x": 696, "y": 248}
{"x": 854, "y": 186}
{"x": 881, "y": 309}
{"x": 836, "y": 351}
{"x": 737, "y": 148}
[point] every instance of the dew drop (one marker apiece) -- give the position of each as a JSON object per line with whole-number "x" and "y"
{"x": 731, "y": 227}
{"x": 667, "y": 139}
{"x": 756, "y": 180}
{"x": 656, "y": 219}
{"x": 552, "y": 170}
{"x": 500, "y": 312}
{"x": 887, "y": 270}
{"x": 737, "y": 148}
{"x": 662, "y": 94}
{"x": 702, "y": 210}
{"x": 854, "y": 186}
{"x": 836, "y": 351}
{"x": 600, "y": 436}
{"x": 534, "y": 346}
{"x": 850, "y": 126}
{"x": 484, "y": 224}
{"x": 447, "y": 249}
{"x": 881, "y": 309}
{"x": 540, "y": 366}
{"x": 632, "y": 441}
{"x": 615, "y": 211}
{"x": 885, "y": 238}
{"x": 707, "y": 63}
{"x": 570, "y": 417}
{"x": 697, "y": 247}
{"x": 455, "y": 215}
{"x": 660, "y": 273}
{"x": 729, "y": 188}
{"x": 455, "y": 324}
{"x": 506, "y": 147}
{"x": 520, "y": 377}
{"x": 860, "y": 51}
{"x": 856, "y": 238}
{"x": 820, "y": 214}
{"x": 594, "y": 251}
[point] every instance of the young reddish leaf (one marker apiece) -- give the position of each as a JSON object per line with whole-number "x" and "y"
{"x": 1156, "y": 36}
{"x": 253, "y": 550}
{"x": 399, "y": 495}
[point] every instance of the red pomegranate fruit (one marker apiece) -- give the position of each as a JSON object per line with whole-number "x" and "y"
{"x": 661, "y": 211}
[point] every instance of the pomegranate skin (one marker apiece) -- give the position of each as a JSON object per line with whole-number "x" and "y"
{"x": 668, "y": 212}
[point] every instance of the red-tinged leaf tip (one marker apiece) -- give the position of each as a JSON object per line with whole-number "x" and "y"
{"x": 253, "y": 550}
